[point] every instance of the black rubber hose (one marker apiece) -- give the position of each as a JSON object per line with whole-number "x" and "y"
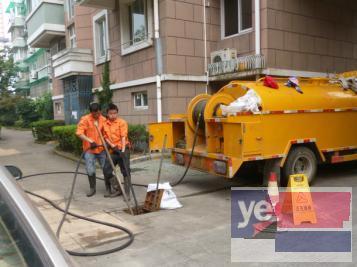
{"x": 58, "y": 232}
{"x": 191, "y": 155}
{"x": 85, "y": 254}
{"x": 66, "y": 211}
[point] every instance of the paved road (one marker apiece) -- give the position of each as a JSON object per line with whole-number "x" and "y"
{"x": 196, "y": 235}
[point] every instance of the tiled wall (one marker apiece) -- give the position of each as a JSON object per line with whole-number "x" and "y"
{"x": 175, "y": 98}
{"x": 133, "y": 66}
{"x": 83, "y": 26}
{"x": 310, "y": 35}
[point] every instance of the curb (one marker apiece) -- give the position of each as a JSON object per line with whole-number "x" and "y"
{"x": 72, "y": 157}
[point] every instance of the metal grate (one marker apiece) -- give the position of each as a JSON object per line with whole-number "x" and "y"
{"x": 77, "y": 96}
{"x": 240, "y": 64}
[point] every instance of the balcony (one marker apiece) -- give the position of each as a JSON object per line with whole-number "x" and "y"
{"x": 18, "y": 42}
{"x": 108, "y": 4}
{"x": 240, "y": 67}
{"x": 45, "y": 23}
{"x": 74, "y": 61}
{"x": 22, "y": 84}
{"x": 16, "y": 22}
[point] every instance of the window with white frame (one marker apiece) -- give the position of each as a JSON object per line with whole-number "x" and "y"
{"x": 101, "y": 37}
{"x": 58, "y": 107}
{"x": 236, "y": 17}
{"x": 70, "y": 4}
{"x": 140, "y": 100}
{"x": 136, "y": 25}
{"x": 72, "y": 36}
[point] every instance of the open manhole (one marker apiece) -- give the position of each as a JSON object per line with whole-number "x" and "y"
{"x": 141, "y": 210}
{"x": 152, "y": 203}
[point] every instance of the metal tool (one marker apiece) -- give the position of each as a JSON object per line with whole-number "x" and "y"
{"x": 113, "y": 167}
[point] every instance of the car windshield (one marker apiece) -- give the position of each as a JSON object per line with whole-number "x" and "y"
{"x": 16, "y": 248}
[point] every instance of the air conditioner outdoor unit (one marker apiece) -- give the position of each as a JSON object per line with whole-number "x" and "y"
{"x": 34, "y": 75}
{"x": 223, "y": 55}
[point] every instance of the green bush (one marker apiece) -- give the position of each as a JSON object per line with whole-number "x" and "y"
{"x": 42, "y": 130}
{"x": 26, "y": 111}
{"x": 8, "y": 114}
{"x": 67, "y": 139}
{"x": 19, "y": 124}
{"x": 138, "y": 137}
{"x": 44, "y": 106}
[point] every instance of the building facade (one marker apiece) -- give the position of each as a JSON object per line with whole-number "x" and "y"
{"x": 3, "y": 27}
{"x": 163, "y": 53}
{"x": 45, "y": 38}
{"x": 17, "y": 14}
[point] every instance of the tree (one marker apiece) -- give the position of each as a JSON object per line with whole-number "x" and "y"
{"x": 44, "y": 106}
{"x": 8, "y": 114}
{"x": 26, "y": 111}
{"x": 105, "y": 95}
{"x": 8, "y": 71}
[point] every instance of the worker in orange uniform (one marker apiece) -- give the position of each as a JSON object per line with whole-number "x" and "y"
{"x": 116, "y": 136}
{"x": 92, "y": 144}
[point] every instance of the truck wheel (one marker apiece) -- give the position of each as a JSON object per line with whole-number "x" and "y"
{"x": 301, "y": 160}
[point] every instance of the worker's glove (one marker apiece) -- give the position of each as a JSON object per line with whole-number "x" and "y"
{"x": 117, "y": 150}
{"x": 93, "y": 145}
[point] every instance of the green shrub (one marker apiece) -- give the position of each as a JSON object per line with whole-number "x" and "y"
{"x": 19, "y": 124}
{"x": 26, "y": 111}
{"x": 42, "y": 130}
{"x": 67, "y": 139}
{"x": 44, "y": 106}
{"x": 138, "y": 137}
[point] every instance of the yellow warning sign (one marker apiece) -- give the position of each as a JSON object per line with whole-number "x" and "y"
{"x": 298, "y": 200}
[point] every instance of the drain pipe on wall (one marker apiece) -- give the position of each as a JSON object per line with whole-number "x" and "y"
{"x": 257, "y": 27}
{"x": 205, "y": 43}
{"x": 158, "y": 55}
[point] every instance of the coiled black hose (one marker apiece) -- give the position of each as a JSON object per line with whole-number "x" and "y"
{"x": 67, "y": 212}
{"x": 179, "y": 181}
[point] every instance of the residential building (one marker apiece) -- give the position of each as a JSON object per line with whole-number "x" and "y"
{"x": 3, "y": 37}
{"x": 45, "y": 38}
{"x": 159, "y": 52}
{"x": 17, "y": 12}
{"x": 73, "y": 66}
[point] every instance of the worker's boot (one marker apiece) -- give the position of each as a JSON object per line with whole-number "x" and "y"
{"x": 108, "y": 189}
{"x": 92, "y": 183}
{"x": 116, "y": 188}
{"x": 127, "y": 183}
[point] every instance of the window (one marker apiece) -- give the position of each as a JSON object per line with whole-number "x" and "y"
{"x": 72, "y": 37}
{"x": 140, "y": 100}
{"x": 58, "y": 46}
{"x": 70, "y": 8}
{"x": 236, "y": 17}
{"x": 136, "y": 25}
{"x": 31, "y": 5}
{"x": 101, "y": 38}
{"x": 58, "y": 107}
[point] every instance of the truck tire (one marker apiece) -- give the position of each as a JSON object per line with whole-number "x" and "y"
{"x": 300, "y": 160}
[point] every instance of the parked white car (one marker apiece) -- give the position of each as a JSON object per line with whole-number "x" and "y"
{"x": 25, "y": 237}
